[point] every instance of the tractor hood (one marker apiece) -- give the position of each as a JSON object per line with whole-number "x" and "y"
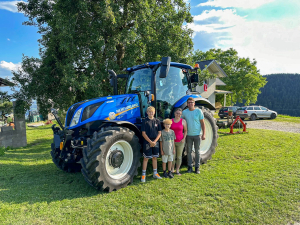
{"x": 117, "y": 107}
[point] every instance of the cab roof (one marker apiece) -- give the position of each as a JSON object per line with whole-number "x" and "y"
{"x": 151, "y": 64}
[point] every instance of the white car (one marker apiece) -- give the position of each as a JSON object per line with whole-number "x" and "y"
{"x": 255, "y": 111}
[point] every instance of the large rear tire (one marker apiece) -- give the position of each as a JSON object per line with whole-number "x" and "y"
{"x": 207, "y": 146}
{"x": 111, "y": 158}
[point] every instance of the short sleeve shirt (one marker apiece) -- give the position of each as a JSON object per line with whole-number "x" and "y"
{"x": 167, "y": 139}
{"x": 151, "y": 127}
{"x": 193, "y": 121}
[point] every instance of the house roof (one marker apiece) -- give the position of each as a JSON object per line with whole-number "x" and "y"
{"x": 222, "y": 92}
{"x": 213, "y": 67}
{"x": 4, "y": 83}
{"x": 219, "y": 82}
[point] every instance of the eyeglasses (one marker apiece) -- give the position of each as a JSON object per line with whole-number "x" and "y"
{"x": 191, "y": 102}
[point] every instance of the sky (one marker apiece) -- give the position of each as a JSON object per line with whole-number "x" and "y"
{"x": 265, "y": 30}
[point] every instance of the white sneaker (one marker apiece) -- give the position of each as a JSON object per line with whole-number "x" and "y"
{"x": 156, "y": 176}
{"x": 143, "y": 179}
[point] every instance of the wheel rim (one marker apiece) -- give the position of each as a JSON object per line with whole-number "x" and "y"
{"x": 205, "y": 144}
{"x": 124, "y": 147}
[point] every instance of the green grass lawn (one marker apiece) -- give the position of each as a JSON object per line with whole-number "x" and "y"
{"x": 285, "y": 118}
{"x": 252, "y": 179}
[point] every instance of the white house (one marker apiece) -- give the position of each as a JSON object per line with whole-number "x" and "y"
{"x": 210, "y": 93}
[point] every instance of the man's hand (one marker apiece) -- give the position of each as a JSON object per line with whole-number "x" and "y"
{"x": 174, "y": 152}
{"x": 162, "y": 153}
{"x": 203, "y": 137}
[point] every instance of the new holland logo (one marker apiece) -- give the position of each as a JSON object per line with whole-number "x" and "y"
{"x": 112, "y": 116}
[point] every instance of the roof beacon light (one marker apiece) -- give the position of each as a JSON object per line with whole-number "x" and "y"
{"x": 196, "y": 66}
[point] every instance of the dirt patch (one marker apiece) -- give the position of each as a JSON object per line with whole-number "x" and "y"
{"x": 272, "y": 125}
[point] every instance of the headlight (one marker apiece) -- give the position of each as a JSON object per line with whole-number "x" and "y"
{"x": 76, "y": 117}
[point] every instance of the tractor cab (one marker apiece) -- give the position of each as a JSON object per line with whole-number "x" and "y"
{"x": 159, "y": 86}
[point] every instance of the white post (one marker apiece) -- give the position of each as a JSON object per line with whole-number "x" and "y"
{"x": 224, "y": 100}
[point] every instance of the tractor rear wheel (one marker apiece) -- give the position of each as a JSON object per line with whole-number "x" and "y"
{"x": 207, "y": 146}
{"x": 111, "y": 158}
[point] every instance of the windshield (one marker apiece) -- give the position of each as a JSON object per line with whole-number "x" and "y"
{"x": 169, "y": 90}
{"x": 139, "y": 80}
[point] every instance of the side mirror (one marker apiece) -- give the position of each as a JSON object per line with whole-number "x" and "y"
{"x": 195, "y": 78}
{"x": 165, "y": 66}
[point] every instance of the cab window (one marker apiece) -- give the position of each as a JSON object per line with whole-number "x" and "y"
{"x": 139, "y": 80}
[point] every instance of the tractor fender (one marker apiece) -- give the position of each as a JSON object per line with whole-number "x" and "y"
{"x": 126, "y": 124}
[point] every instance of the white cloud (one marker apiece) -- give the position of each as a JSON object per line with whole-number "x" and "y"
{"x": 274, "y": 44}
{"x": 10, "y": 6}
{"x": 225, "y": 19}
{"x": 9, "y": 66}
{"x": 8, "y": 39}
{"x": 245, "y": 4}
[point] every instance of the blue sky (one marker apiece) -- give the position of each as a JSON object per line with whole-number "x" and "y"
{"x": 267, "y": 30}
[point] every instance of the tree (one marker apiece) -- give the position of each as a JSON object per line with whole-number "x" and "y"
{"x": 82, "y": 39}
{"x": 6, "y": 107}
{"x": 243, "y": 79}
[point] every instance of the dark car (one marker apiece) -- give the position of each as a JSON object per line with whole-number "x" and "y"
{"x": 223, "y": 112}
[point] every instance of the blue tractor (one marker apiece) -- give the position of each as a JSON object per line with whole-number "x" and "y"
{"x": 102, "y": 136}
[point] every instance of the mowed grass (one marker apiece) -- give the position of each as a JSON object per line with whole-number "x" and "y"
{"x": 252, "y": 179}
{"x": 289, "y": 119}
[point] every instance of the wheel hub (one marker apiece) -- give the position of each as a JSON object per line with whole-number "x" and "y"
{"x": 116, "y": 158}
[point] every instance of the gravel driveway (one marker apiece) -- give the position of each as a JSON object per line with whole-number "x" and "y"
{"x": 272, "y": 125}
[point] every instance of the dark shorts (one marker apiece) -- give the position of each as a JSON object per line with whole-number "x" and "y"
{"x": 150, "y": 152}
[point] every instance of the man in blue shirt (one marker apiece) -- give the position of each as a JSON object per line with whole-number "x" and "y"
{"x": 195, "y": 122}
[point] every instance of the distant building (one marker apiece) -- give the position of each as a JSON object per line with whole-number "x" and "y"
{"x": 211, "y": 91}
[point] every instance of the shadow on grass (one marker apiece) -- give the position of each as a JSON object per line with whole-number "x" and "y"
{"x": 44, "y": 182}
{"x": 41, "y": 183}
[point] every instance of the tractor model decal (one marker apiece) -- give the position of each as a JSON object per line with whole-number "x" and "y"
{"x": 113, "y": 115}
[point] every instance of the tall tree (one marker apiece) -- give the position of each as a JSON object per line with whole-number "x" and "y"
{"x": 6, "y": 107}
{"x": 243, "y": 79}
{"x": 82, "y": 39}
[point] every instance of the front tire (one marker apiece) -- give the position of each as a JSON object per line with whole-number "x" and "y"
{"x": 60, "y": 159}
{"x": 111, "y": 158}
{"x": 273, "y": 116}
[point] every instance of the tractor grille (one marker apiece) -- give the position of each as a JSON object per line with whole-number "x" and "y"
{"x": 72, "y": 111}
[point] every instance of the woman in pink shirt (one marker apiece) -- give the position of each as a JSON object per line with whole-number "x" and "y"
{"x": 180, "y": 128}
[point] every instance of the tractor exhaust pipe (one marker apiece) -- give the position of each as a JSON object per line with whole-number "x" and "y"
{"x": 113, "y": 81}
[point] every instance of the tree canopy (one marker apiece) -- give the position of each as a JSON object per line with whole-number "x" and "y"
{"x": 243, "y": 79}
{"x": 82, "y": 39}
